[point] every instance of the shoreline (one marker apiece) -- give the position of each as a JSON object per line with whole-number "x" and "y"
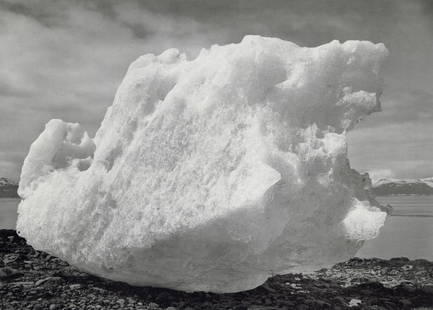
{"x": 31, "y": 279}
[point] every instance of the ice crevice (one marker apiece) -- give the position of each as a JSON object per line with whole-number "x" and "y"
{"x": 213, "y": 173}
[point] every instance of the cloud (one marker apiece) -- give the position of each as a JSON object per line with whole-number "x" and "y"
{"x": 404, "y": 147}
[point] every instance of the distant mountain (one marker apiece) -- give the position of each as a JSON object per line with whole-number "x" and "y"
{"x": 391, "y": 186}
{"x": 8, "y": 188}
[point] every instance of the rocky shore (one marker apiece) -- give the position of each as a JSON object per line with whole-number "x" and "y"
{"x": 31, "y": 279}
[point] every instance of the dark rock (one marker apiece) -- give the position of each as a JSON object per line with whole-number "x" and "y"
{"x": 339, "y": 301}
{"x": 428, "y": 289}
{"x": 164, "y": 297}
{"x": 10, "y": 258}
{"x": 407, "y": 286}
{"x": 399, "y": 260}
{"x": 405, "y": 303}
{"x": 7, "y": 272}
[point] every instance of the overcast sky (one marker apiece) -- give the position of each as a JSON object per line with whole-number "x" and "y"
{"x": 65, "y": 59}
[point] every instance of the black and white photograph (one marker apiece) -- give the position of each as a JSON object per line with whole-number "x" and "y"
{"x": 216, "y": 154}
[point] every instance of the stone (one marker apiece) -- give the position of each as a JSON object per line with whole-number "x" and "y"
{"x": 7, "y": 272}
{"x": 48, "y": 279}
{"x": 75, "y": 286}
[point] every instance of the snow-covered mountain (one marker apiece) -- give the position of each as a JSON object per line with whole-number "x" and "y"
{"x": 8, "y": 188}
{"x": 392, "y": 186}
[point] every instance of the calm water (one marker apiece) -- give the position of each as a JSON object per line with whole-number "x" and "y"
{"x": 8, "y": 212}
{"x": 409, "y": 232}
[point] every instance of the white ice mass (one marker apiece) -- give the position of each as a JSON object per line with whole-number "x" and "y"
{"x": 214, "y": 173}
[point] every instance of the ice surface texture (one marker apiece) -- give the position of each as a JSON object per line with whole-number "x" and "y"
{"x": 214, "y": 173}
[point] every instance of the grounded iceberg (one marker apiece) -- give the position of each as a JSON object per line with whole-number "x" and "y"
{"x": 214, "y": 173}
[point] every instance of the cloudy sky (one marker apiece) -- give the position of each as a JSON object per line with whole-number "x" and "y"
{"x": 64, "y": 59}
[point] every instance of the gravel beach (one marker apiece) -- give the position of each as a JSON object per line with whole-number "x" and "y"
{"x": 31, "y": 279}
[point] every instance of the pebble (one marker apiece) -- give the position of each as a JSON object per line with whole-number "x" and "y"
{"x": 23, "y": 283}
{"x": 7, "y": 272}
{"x": 48, "y": 279}
{"x": 75, "y": 286}
{"x": 153, "y": 305}
{"x": 10, "y": 258}
{"x": 354, "y": 302}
